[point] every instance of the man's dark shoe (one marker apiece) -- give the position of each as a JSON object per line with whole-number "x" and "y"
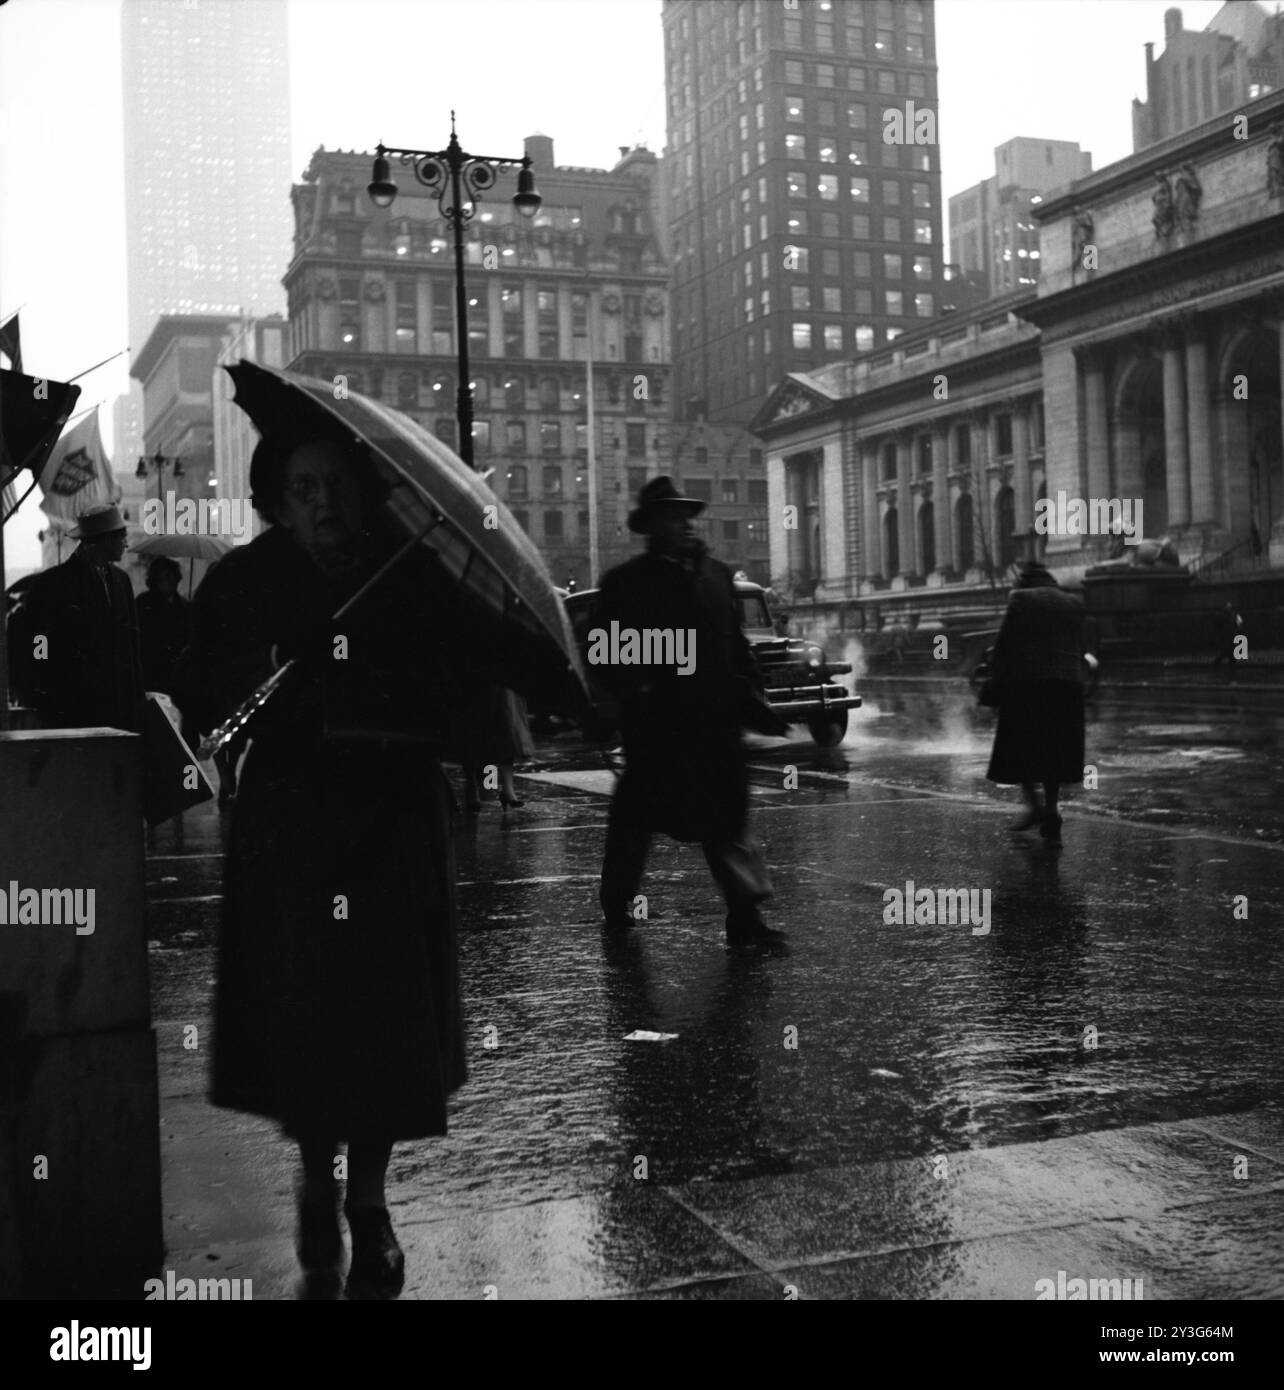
{"x": 378, "y": 1269}
{"x": 748, "y": 930}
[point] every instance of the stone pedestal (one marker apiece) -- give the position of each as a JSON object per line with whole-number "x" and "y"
{"x": 80, "y": 1209}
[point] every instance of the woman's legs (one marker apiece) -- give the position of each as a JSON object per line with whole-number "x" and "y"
{"x": 320, "y": 1242}
{"x": 368, "y": 1172}
{"x": 378, "y": 1268}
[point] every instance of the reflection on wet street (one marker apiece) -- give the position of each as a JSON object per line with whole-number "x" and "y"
{"x": 1098, "y": 1055}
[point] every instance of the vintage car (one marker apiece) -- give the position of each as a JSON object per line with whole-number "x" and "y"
{"x": 798, "y": 679}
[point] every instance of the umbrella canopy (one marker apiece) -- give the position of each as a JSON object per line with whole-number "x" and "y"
{"x": 431, "y": 493}
{"x": 183, "y": 547}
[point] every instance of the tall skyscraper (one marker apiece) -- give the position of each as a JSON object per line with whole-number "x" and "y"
{"x": 207, "y": 158}
{"x": 804, "y": 188}
{"x": 993, "y": 232}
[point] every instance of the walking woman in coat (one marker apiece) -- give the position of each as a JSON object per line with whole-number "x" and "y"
{"x": 337, "y": 1008}
{"x": 1037, "y": 669}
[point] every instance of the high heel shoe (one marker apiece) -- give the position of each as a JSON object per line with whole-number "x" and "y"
{"x": 378, "y": 1269}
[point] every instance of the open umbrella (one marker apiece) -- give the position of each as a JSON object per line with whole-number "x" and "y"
{"x": 436, "y": 501}
{"x": 183, "y": 547}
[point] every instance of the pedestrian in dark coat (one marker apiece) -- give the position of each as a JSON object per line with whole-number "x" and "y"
{"x": 165, "y": 633}
{"x": 91, "y": 673}
{"x": 1037, "y": 669}
{"x": 337, "y": 1008}
{"x": 685, "y": 769}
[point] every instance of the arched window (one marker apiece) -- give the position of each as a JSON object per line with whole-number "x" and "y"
{"x": 443, "y": 391}
{"x": 1005, "y": 524}
{"x": 927, "y": 536}
{"x": 407, "y": 389}
{"x": 481, "y": 390}
{"x": 891, "y": 543}
{"x": 550, "y": 393}
{"x": 963, "y": 524}
{"x": 515, "y": 393}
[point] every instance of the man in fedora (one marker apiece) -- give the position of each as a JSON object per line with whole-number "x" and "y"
{"x": 685, "y": 771}
{"x": 88, "y": 671}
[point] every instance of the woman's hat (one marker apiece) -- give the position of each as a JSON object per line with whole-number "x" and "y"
{"x": 660, "y": 492}
{"x": 101, "y": 520}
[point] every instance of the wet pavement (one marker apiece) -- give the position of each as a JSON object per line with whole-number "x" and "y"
{"x": 882, "y": 1111}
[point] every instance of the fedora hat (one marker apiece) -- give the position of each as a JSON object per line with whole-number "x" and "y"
{"x": 660, "y": 492}
{"x": 101, "y": 520}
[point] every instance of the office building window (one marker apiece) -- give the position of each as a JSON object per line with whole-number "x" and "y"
{"x": 922, "y": 267}
{"x": 443, "y": 318}
{"x": 891, "y": 193}
{"x": 825, "y": 74}
{"x": 864, "y": 337}
{"x": 793, "y": 72}
{"x": 862, "y": 301}
{"x": 917, "y": 84}
{"x": 515, "y": 395}
{"x": 800, "y": 297}
{"x": 857, "y": 79}
{"x": 829, "y": 263}
{"x": 857, "y": 115}
{"x": 579, "y": 314}
{"x": 828, "y": 152}
{"x": 891, "y": 228}
{"x": 892, "y": 266}
{"x": 860, "y": 226}
{"x": 860, "y": 190}
{"x": 886, "y": 82}
{"x": 797, "y": 222}
{"x": 922, "y": 193}
{"x": 802, "y": 336}
{"x": 832, "y": 299}
{"x": 445, "y": 430}
{"x": 895, "y": 301}
{"x": 350, "y": 313}
{"x": 515, "y": 432}
{"x": 553, "y": 526}
{"x": 731, "y": 491}
{"x": 635, "y": 436}
{"x": 407, "y": 333}
{"x": 922, "y": 230}
{"x": 833, "y": 337}
{"x": 795, "y": 109}
{"x": 796, "y": 183}
{"x": 553, "y": 482}
{"x": 826, "y": 113}
{"x": 829, "y": 224}
{"x": 516, "y": 478}
{"x": 858, "y": 153}
{"x": 1003, "y": 436}
{"x": 796, "y": 146}
{"x": 550, "y": 436}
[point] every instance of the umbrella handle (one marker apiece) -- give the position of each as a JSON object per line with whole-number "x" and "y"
{"x": 241, "y": 716}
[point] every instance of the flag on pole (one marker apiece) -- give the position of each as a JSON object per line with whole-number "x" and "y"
{"x": 10, "y": 349}
{"x": 11, "y": 343}
{"x": 77, "y": 474}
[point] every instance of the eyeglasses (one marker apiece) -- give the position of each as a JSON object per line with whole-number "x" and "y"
{"x": 308, "y": 487}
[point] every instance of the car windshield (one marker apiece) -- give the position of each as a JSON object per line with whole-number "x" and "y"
{"x": 753, "y": 611}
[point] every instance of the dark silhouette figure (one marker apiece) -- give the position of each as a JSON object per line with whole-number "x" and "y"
{"x": 88, "y": 670}
{"x": 685, "y": 771}
{"x": 337, "y": 1007}
{"x": 1037, "y": 670}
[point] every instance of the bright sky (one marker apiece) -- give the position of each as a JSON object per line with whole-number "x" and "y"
{"x": 589, "y": 73}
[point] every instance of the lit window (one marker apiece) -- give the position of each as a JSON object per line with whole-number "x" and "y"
{"x": 833, "y": 337}
{"x": 895, "y": 302}
{"x": 923, "y": 306}
{"x": 827, "y": 186}
{"x": 802, "y": 335}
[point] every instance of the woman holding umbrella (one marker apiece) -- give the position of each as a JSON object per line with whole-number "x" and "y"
{"x": 337, "y": 1007}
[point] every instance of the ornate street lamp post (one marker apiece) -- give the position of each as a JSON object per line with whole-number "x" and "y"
{"x": 159, "y": 463}
{"x": 456, "y": 178}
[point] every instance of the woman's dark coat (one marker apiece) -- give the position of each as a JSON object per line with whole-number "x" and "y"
{"x": 337, "y": 1008}
{"x": 1037, "y": 667}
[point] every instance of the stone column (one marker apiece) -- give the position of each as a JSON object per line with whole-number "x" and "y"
{"x": 1176, "y": 456}
{"x": 1127, "y": 455}
{"x": 1203, "y": 496}
{"x": 1096, "y": 431}
{"x": 1022, "y": 497}
{"x": 941, "y": 497}
{"x": 872, "y": 565}
{"x": 904, "y": 505}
